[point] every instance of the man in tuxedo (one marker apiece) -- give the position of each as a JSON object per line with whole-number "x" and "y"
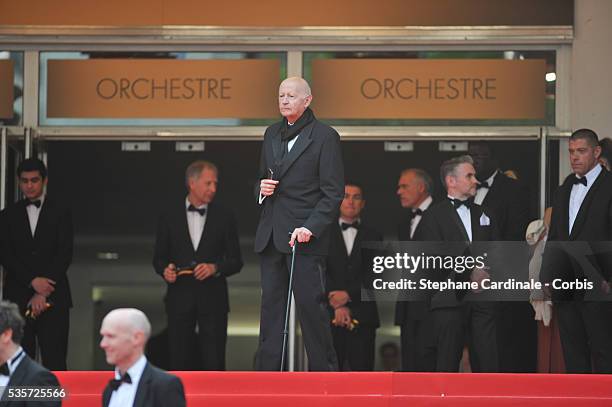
{"x": 458, "y": 219}
{"x": 509, "y": 201}
{"x": 17, "y": 369}
{"x": 196, "y": 249}
{"x": 355, "y": 320}
{"x": 137, "y": 382}
{"x": 37, "y": 241}
{"x": 299, "y": 189}
{"x": 582, "y": 214}
{"x": 414, "y": 190}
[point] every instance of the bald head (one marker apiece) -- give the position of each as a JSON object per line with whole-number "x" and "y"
{"x": 132, "y": 320}
{"x": 293, "y": 98}
{"x": 299, "y": 84}
{"x": 124, "y": 332}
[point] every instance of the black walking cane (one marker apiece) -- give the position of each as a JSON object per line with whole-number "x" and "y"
{"x": 288, "y": 309}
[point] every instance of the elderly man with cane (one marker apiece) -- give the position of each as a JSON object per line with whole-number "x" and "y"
{"x": 299, "y": 188}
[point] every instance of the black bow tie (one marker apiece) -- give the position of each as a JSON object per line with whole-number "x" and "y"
{"x": 345, "y": 226}
{"x": 582, "y": 181}
{"x": 483, "y": 184}
{"x": 36, "y": 203}
{"x": 417, "y": 212}
{"x": 201, "y": 211}
{"x": 458, "y": 202}
{"x": 115, "y": 383}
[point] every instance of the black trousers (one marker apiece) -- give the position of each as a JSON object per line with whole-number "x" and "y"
{"x": 414, "y": 339}
{"x": 184, "y": 311}
{"x": 586, "y": 335}
{"x": 355, "y": 349}
{"x": 50, "y": 331}
{"x": 517, "y": 337}
{"x": 311, "y": 307}
{"x": 446, "y": 328}
{"x": 481, "y": 320}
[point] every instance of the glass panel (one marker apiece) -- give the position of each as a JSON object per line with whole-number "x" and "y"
{"x": 548, "y": 56}
{"x": 47, "y": 56}
{"x": 17, "y": 65}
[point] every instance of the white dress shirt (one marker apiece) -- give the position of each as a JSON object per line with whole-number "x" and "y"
{"x": 12, "y": 363}
{"x": 417, "y": 218}
{"x": 466, "y": 218}
{"x": 349, "y": 235}
{"x": 578, "y": 194}
{"x": 34, "y": 213}
{"x": 196, "y": 223}
{"x": 481, "y": 193}
{"x": 126, "y": 393}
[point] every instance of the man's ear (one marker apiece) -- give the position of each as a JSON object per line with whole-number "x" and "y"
{"x": 597, "y": 152}
{"x": 308, "y": 100}
{"x": 449, "y": 180}
{"x": 7, "y": 335}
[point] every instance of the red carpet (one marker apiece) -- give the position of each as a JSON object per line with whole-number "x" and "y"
{"x": 258, "y": 389}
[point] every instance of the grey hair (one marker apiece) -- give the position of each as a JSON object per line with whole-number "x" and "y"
{"x": 195, "y": 169}
{"x": 449, "y": 167}
{"x": 423, "y": 176}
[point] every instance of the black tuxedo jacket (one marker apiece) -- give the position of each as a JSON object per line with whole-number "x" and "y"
{"x": 441, "y": 223}
{"x": 352, "y": 273}
{"x": 30, "y": 373}
{"x": 156, "y": 388}
{"x": 219, "y": 245}
{"x": 593, "y": 227}
{"x": 510, "y": 205}
{"x": 47, "y": 254}
{"x": 310, "y": 190}
{"x": 410, "y": 310}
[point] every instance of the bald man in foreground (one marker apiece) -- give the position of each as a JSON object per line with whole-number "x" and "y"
{"x": 299, "y": 188}
{"x": 137, "y": 383}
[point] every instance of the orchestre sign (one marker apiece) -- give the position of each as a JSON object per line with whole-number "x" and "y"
{"x": 157, "y": 88}
{"x": 429, "y": 89}
{"x": 6, "y": 89}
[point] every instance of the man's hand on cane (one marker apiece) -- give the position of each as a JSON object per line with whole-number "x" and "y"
{"x": 301, "y": 234}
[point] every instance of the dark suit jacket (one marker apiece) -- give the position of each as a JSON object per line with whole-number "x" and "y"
{"x": 155, "y": 389}
{"x": 593, "y": 227}
{"x": 441, "y": 223}
{"x": 30, "y": 373}
{"x": 352, "y": 273}
{"x": 47, "y": 254}
{"x": 510, "y": 205}
{"x": 409, "y": 310}
{"x": 310, "y": 190}
{"x": 219, "y": 245}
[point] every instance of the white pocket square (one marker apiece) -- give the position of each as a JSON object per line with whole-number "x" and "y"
{"x": 485, "y": 220}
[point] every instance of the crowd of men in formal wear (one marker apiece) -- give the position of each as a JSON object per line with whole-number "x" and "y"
{"x": 311, "y": 222}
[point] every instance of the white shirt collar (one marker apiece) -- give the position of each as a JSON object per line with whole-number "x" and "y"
{"x": 135, "y": 371}
{"x": 40, "y": 198}
{"x": 425, "y": 204}
{"x": 490, "y": 180}
{"x": 187, "y": 203}
{"x": 15, "y": 359}
{"x": 592, "y": 175}
{"x": 341, "y": 221}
